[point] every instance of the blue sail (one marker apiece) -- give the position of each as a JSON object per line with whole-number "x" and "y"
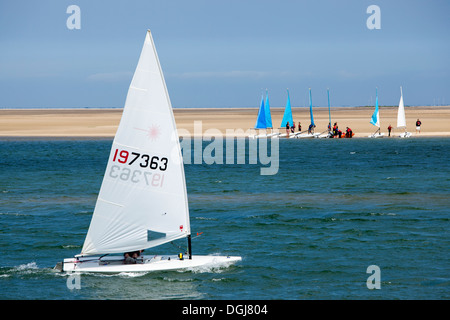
{"x": 287, "y": 117}
{"x": 310, "y": 109}
{"x": 268, "y": 116}
{"x": 261, "y": 120}
{"x": 375, "y": 116}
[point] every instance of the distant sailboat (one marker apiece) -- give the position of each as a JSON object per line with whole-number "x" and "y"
{"x": 142, "y": 201}
{"x": 264, "y": 119}
{"x": 287, "y": 117}
{"x": 401, "y": 119}
{"x": 267, "y": 111}
{"x": 310, "y": 132}
{"x": 375, "y": 119}
{"x": 328, "y": 133}
{"x": 261, "y": 119}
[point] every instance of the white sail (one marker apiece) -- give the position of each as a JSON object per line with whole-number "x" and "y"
{"x": 401, "y": 120}
{"x": 142, "y": 201}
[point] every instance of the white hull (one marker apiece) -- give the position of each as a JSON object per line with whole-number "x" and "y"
{"x": 115, "y": 264}
{"x": 377, "y": 135}
{"x": 307, "y": 135}
{"x": 405, "y": 135}
{"x": 268, "y": 135}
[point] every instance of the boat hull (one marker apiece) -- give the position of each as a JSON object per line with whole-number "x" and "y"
{"x": 115, "y": 264}
{"x": 405, "y": 135}
{"x": 377, "y": 135}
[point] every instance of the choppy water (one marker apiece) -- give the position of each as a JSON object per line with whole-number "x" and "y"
{"x": 334, "y": 208}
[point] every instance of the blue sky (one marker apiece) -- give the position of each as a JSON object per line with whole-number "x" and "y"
{"x": 224, "y": 53}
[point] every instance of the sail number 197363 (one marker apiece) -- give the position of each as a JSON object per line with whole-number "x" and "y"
{"x": 144, "y": 160}
{"x": 137, "y": 176}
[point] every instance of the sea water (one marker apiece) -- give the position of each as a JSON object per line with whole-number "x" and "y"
{"x": 311, "y": 231}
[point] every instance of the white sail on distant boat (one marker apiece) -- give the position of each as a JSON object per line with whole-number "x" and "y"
{"x": 142, "y": 201}
{"x": 375, "y": 120}
{"x": 401, "y": 119}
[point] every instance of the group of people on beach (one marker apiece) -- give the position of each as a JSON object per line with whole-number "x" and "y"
{"x": 338, "y": 133}
{"x": 418, "y": 124}
{"x": 335, "y": 132}
{"x": 291, "y": 129}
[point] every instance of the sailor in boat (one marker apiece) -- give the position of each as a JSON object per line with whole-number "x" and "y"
{"x": 132, "y": 257}
{"x": 287, "y": 129}
{"x": 293, "y": 128}
{"x": 311, "y": 128}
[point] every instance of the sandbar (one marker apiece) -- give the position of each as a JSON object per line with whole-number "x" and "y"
{"x": 208, "y": 122}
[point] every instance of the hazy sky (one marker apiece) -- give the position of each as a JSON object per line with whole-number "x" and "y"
{"x": 224, "y": 53}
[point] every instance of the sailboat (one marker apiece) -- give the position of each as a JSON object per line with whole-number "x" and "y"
{"x": 328, "y": 133}
{"x": 310, "y": 132}
{"x": 287, "y": 117}
{"x": 261, "y": 119}
{"x": 142, "y": 201}
{"x": 264, "y": 119}
{"x": 375, "y": 120}
{"x": 401, "y": 120}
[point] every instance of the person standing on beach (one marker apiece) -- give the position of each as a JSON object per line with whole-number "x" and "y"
{"x": 299, "y": 127}
{"x": 389, "y": 130}
{"x": 418, "y": 124}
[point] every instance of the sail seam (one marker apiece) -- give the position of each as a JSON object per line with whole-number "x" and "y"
{"x": 141, "y": 89}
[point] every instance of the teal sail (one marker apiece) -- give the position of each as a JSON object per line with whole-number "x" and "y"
{"x": 329, "y": 110}
{"x": 310, "y": 109}
{"x": 267, "y": 111}
{"x": 261, "y": 120}
{"x": 375, "y": 120}
{"x": 287, "y": 117}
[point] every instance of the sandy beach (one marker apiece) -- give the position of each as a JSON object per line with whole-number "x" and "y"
{"x": 102, "y": 123}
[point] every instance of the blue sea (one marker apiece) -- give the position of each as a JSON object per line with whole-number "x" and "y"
{"x": 335, "y": 208}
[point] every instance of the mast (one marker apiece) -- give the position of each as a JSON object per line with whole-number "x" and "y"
{"x": 329, "y": 112}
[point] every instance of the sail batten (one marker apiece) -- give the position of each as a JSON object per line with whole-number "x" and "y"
{"x": 144, "y": 186}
